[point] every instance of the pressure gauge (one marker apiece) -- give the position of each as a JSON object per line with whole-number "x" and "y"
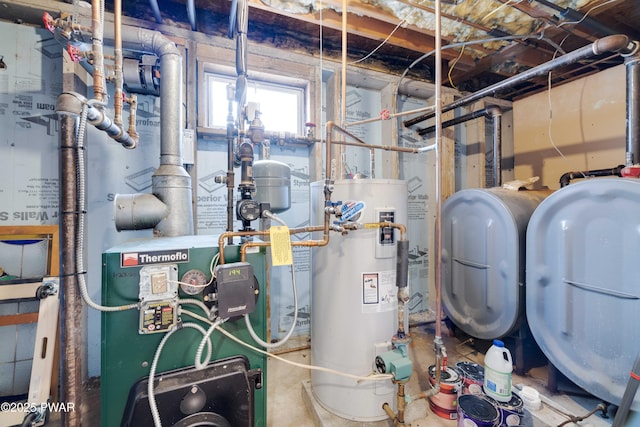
{"x": 193, "y": 282}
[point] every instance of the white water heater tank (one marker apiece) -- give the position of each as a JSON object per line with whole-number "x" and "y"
{"x": 354, "y": 297}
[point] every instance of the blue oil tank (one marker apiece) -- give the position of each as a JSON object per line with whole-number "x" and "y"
{"x": 483, "y": 257}
{"x": 583, "y": 293}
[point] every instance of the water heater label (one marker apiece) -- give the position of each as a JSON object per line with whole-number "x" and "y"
{"x": 379, "y": 291}
{"x": 136, "y": 259}
{"x": 351, "y": 211}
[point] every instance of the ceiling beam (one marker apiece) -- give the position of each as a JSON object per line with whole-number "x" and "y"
{"x": 367, "y": 21}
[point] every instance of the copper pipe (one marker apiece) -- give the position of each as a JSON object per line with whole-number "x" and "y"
{"x": 117, "y": 50}
{"x": 308, "y": 243}
{"x": 243, "y": 249}
{"x": 380, "y": 147}
{"x": 438, "y": 172}
{"x": 133, "y": 106}
{"x": 329, "y": 168}
{"x": 304, "y": 243}
{"x": 401, "y": 402}
{"x": 401, "y": 227}
{"x": 387, "y": 408}
{"x": 98, "y": 67}
{"x": 397, "y": 417}
{"x": 361, "y": 143}
{"x": 230, "y": 235}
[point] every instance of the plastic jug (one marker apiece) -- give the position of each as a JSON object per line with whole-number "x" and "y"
{"x": 497, "y": 372}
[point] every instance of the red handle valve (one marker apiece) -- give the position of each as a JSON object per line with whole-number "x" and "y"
{"x": 385, "y": 114}
{"x": 631, "y": 171}
{"x": 74, "y": 53}
{"x": 49, "y": 22}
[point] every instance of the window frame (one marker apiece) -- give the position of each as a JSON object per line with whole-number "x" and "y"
{"x": 209, "y": 71}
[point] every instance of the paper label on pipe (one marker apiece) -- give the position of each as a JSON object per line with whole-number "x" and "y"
{"x": 280, "y": 246}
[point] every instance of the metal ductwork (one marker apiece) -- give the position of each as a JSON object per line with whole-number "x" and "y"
{"x": 171, "y": 183}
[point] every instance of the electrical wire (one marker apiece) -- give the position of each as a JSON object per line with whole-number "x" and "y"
{"x": 212, "y": 266}
{"x": 82, "y": 216}
{"x": 154, "y": 366}
{"x": 585, "y": 15}
{"x": 199, "y": 363}
{"x": 472, "y": 42}
{"x": 196, "y": 302}
{"x": 386, "y": 39}
{"x": 453, "y": 65}
{"x": 372, "y": 377}
{"x": 502, "y": 6}
{"x": 549, "y": 129}
{"x": 247, "y": 319}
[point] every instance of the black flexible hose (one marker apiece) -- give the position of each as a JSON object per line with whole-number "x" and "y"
{"x": 566, "y": 178}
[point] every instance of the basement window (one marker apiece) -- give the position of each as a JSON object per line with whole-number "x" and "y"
{"x": 281, "y": 106}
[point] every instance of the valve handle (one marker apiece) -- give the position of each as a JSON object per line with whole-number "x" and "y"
{"x": 49, "y": 22}
{"x": 74, "y": 53}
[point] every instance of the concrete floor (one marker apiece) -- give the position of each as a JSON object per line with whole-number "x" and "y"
{"x": 291, "y": 404}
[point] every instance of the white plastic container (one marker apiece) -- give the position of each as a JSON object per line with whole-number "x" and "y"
{"x": 530, "y": 398}
{"x": 497, "y": 372}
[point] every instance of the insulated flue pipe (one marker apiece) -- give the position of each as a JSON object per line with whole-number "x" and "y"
{"x": 632, "y": 64}
{"x": 617, "y": 43}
